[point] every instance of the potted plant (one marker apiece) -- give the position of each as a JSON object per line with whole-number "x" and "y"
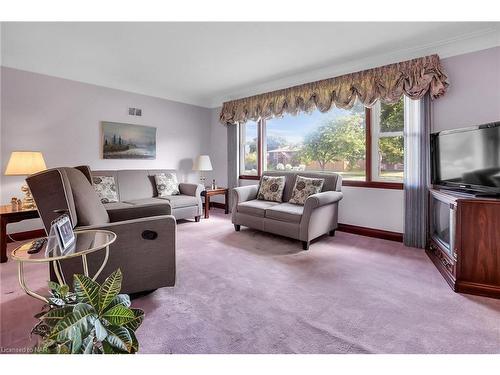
{"x": 93, "y": 319}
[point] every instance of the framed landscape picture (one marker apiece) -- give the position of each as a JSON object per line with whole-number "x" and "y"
{"x": 128, "y": 141}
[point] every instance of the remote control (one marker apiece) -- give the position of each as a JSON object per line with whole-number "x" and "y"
{"x": 36, "y": 245}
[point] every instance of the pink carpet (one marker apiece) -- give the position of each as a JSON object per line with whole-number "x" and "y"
{"x": 252, "y": 292}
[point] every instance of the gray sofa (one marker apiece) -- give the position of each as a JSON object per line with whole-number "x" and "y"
{"x": 315, "y": 218}
{"x": 136, "y": 188}
{"x": 147, "y": 263}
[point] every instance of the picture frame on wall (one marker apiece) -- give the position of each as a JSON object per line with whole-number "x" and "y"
{"x": 128, "y": 141}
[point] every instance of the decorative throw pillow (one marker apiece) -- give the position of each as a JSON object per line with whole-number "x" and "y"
{"x": 167, "y": 184}
{"x": 271, "y": 188}
{"x": 304, "y": 187}
{"x": 105, "y": 188}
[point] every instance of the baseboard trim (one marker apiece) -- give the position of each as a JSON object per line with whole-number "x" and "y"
{"x": 348, "y": 228}
{"x": 28, "y": 235}
{"x": 371, "y": 232}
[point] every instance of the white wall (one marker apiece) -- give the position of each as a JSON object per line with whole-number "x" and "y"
{"x": 473, "y": 97}
{"x": 218, "y": 152}
{"x": 62, "y": 119}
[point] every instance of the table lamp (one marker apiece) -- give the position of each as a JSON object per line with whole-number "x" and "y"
{"x": 24, "y": 163}
{"x": 202, "y": 163}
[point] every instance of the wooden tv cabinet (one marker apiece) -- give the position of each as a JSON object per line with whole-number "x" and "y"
{"x": 474, "y": 266}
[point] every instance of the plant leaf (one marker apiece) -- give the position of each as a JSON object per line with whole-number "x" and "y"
{"x": 137, "y": 321}
{"x": 135, "y": 343}
{"x": 110, "y": 289}
{"x": 118, "y": 315}
{"x": 52, "y": 317}
{"x": 87, "y": 344}
{"x": 100, "y": 330}
{"x": 109, "y": 349}
{"x": 120, "y": 299}
{"x": 119, "y": 338}
{"x": 82, "y": 317}
{"x": 76, "y": 339}
{"x": 87, "y": 290}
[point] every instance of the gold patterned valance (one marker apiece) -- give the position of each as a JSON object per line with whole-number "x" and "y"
{"x": 413, "y": 78}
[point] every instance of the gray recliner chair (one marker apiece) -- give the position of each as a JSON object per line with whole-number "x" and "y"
{"x": 146, "y": 263}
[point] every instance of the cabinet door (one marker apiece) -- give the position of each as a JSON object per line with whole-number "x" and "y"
{"x": 479, "y": 242}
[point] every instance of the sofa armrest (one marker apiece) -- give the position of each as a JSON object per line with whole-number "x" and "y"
{"x": 137, "y": 212}
{"x": 321, "y": 199}
{"x": 146, "y": 263}
{"x": 168, "y": 220}
{"x": 193, "y": 190}
{"x": 245, "y": 193}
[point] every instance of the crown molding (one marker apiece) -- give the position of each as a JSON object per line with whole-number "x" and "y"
{"x": 463, "y": 44}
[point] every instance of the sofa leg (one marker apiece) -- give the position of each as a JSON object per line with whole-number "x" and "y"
{"x": 197, "y": 219}
{"x": 237, "y": 227}
{"x": 331, "y": 233}
{"x": 305, "y": 245}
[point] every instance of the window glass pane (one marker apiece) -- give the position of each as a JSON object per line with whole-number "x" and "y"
{"x": 332, "y": 141}
{"x": 392, "y": 117}
{"x": 391, "y": 150}
{"x": 248, "y": 148}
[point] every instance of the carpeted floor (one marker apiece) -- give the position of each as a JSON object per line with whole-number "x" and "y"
{"x": 252, "y": 292}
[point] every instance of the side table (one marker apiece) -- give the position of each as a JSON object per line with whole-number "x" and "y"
{"x": 86, "y": 242}
{"x": 8, "y": 215}
{"x": 208, "y": 192}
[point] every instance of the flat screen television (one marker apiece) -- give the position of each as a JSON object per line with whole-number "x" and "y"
{"x": 467, "y": 159}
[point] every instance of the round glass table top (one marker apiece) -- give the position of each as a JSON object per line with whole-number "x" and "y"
{"x": 86, "y": 242}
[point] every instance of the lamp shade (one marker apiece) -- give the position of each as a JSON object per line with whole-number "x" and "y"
{"x": 24, "y": 163}
{"x": 202, "y": 163}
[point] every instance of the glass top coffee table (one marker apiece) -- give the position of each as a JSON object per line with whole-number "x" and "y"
{"x": 86, "y": 242}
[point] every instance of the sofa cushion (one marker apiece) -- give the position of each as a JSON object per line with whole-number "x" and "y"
{"x": 255, "y": 207}
{"x": 178, "y": 201}
{"x": 285, "y": 212}
{"x": 105, "y": 187}
{"x": 88, "y": 206}
{"x": 304, "y": 187}
{"x": 166, "y": 184}
{"x": 271, "y": 188}
{"x": 146, "y": 201}
{"x": 117, "y": 205}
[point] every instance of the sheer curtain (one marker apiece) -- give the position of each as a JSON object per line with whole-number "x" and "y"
{"x": 417, "y": 170}
{"x": 232, "y": 159}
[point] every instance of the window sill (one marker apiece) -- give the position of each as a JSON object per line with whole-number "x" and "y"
{"x": 374, "y": 184}
{"x": 249, "y": 177}
{"x": 365, "y": 184}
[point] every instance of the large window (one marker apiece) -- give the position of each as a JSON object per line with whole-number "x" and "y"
{"x": 364, "y": 145}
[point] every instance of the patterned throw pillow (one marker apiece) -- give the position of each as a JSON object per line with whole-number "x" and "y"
{"x": 105, "y": 188}
{"x": 167, "y": 184}
{"x": 304, "y": 187}
{"x": 271, "y": 188}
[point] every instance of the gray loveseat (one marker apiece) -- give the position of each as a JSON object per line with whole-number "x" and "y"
{"x": 315, "y": 218}
{"x": 136, "y": 188}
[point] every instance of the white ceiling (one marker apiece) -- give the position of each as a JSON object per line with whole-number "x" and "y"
{"x": 207, "y": 63}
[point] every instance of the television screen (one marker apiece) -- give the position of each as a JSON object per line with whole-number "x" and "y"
{"x": 468, "y": 158}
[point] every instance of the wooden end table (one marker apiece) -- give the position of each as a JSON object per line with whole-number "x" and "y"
{"x": 8, "y": 215}
{"x": 209, "y": 192}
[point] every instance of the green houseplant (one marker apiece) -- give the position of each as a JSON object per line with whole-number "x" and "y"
{"x": 93, "y": 319}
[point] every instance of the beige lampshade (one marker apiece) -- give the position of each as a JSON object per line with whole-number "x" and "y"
{"x": 202, "y": 163}
{"x": 24, "y": 163}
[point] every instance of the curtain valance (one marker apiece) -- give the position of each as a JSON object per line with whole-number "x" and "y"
{"x": 413, "y": 78}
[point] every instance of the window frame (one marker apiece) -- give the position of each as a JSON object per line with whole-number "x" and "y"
{"x": 260, "y": 125}
{"x": 368, "y": 183}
